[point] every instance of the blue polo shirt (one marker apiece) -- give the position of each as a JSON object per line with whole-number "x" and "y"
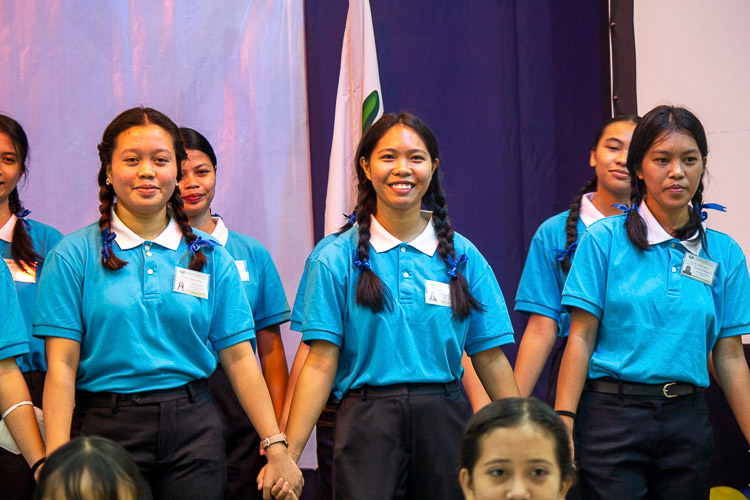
{"x": 656, "y": 325}
{"x": 43, "y": 238}
{"x": 299, "y": 300}
{"x": 136, "y": 333}
{"x": 416, "y": 341}
{"x": 13, "y": 338}
{"x": 543, "y": 279}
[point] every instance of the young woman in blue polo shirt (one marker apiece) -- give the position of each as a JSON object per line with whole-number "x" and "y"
{"x": 127, "y": 306}
{"x": 23, "y": 245}
{"x": 553, "y": 247}
{"x": 390, "y": 306}
{"x": 643, "y": 325}
{"x": 265, "y": 293}
{"x": 16, "y": 408}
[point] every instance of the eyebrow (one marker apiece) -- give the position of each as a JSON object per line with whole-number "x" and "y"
{"x": 506, "y": 460}
{"x": 414, "y": 150}
{"x": 136, "y": 150}
{"x": 667, "y": 152}
{"x": 614, "y": 139}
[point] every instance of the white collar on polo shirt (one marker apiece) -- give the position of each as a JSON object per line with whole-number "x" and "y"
{"x": 127, "y": 239}
{"x": 657, "y": 234}
{"x": 6, "y": 232}
{"x": 220, "y": 232}
{"x": 382, "y": 241}
{"x": 588, "y": 213}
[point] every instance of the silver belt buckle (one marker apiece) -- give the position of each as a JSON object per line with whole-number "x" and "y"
{"x": 664, "y": 390}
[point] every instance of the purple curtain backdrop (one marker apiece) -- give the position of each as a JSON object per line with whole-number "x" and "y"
{"x": 514, "y": 91}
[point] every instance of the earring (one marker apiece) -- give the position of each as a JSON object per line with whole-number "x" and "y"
{"x": 108, "y": 182}
{"x": 176, "y": 183}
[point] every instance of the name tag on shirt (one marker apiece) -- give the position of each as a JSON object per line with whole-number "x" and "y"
{"x": 699, "y": 269}
{"x": 191, "y": 282}
{"x": 437, "y": 293}
{"x": 242, "y": 269}
{"x": 19, "y": 274}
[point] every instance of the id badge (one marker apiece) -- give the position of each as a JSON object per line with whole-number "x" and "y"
{"x": 699, "y": 269}
{"x": 191, "y": 282}
{"x": 19, "y": 274}
{"x": 437, "y": 293}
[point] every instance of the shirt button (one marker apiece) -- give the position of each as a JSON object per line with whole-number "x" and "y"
{"x": 151, "y": 271}
{"x": 403, "y": 249}
{"x": 673, "y": 245}
{"x": 148, "y": 254}
{"x": 406, "y": 275}
{"x": 674, "y": 269}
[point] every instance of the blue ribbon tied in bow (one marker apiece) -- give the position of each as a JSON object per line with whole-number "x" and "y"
{"x": 352, "y": 217}
{"x": 562, "y": 253}
{"x": 708, "y": 206}
{"x": 364, "y": 264}
{"x": 199, "y": 243}
{"x": 453, "y": 271}
{"x": 22, "y": 214}
{"x": 627, "y": 210}
{"x": 107, "y": 238}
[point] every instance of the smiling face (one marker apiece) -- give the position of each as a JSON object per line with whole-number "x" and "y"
{"x": 198, "y": 183}
{"x": 671, "y": 169}
{"x": 143, "y": 171}
{"x": 515, "y": 463}
{"x": 400, "y": 169}
{"x": 10, "y": 168}
{"x": 610, "y": 156}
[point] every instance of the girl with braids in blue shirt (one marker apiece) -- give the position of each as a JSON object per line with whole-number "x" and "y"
{"x": 553, "y": 247}
{"x": 651, "y": 294}
{"x": 24, "y": 243}
{"x": 390, "y": 305}
{"x": 127, "y": 306}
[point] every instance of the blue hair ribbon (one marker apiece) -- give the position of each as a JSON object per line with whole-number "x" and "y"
{"x": 107, "y": 238}
{"x": 708, "y": 206}
{"x": 217, "y": 215}
{"x": 625, "y": 209}
{"x": 352, "y": 217}
{"x": 22, "y": 214}
{"x": 562, "y": 253}
{"x": 364, "y": 264}
{"x": 453, "y": 271}
{"x": 199, "y": 243}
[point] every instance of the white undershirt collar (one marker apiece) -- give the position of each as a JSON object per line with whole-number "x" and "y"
{"x": 382, "y": 241}
{"x": 220, "y": 232}
{"x": 6, "y": 232}
{"x": 657, "y": 234}
{"x": 588, "y": 213}
{"x": 126, "y": 239}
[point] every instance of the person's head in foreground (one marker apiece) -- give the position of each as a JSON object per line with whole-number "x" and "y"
{"x": 89, "y": 468}
{"x": 516, "y": 448}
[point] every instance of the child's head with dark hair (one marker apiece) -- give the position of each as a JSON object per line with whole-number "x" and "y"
{"x": 90, "y": 468}
{"x": 516, "y": 446}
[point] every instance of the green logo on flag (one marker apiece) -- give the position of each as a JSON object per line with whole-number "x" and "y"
{"x": 370, "y": 108}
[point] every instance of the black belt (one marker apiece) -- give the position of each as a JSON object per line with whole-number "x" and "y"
{"x": 86, "y": 399}
{"x": 395, "y": 390}
{"x": 667, "y": 390}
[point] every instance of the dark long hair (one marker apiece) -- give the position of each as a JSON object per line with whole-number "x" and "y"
{"x": 571, "y": 223}
{"x": 136, "y": 117}
{"x": 195, "y": 140}
{"x": 655, "y": 124}
{"x": 511, "y": 413}
{"x": 21, "y": 248}
{"x": 371, "y": 291}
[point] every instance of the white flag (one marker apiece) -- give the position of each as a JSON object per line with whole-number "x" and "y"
{"x": 358, "y": 104}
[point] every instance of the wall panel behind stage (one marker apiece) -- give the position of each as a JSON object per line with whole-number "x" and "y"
{"x": 234, "y": 70}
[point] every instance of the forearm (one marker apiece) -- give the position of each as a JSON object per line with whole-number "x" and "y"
{"x": 22, "y": 421}
{"x": 734, "y": 376}
{"x": 310, "y": 395}
{"x": 496, "y": 374}
{"x": 273, "y": 363}
{"x": 536, "y": 345}
{"x": 478, "y": 397}
{"x": 58, "y": 400}
{"x": 299, "y": 361}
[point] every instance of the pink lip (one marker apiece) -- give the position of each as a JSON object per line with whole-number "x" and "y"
{"x": 193, "y": 198}
{"x": 620, "y": 174}
{"x": 147, "y": 189}
{"x": 675, "y": 188}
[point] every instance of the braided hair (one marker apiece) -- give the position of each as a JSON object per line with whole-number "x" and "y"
{"x": 661, "y": 121}
{"x": 136, "y": 117}
{"x": 21, "y": 248}
{"x": 371, "y": 291}
{"x": 571, "y": 223}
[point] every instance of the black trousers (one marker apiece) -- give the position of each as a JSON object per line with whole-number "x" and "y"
{"x": 639, "y": 447}
{"x": 15, "y": 475}
{"x": 176, "y": 437}
{"x": 399, "y": 441}
{"x": 324, "y": 434}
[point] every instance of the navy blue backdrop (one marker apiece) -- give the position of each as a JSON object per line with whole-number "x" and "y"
{"x": 514, "y": 91}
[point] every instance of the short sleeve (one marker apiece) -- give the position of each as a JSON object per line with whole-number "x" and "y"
{"x": 736, "y": 320}
{"x": 232, "y": 320}
{"x": 13, "y": 334}
{"x": 539, "y": 289}
{"x": 325, "y": 305}
{"x": 59, "y": 299}
{"x": 491, "y": 327}
{"x": 272, "y": 307}
{"x": 585, "y": 287}
{"x": 299, "y": 301}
